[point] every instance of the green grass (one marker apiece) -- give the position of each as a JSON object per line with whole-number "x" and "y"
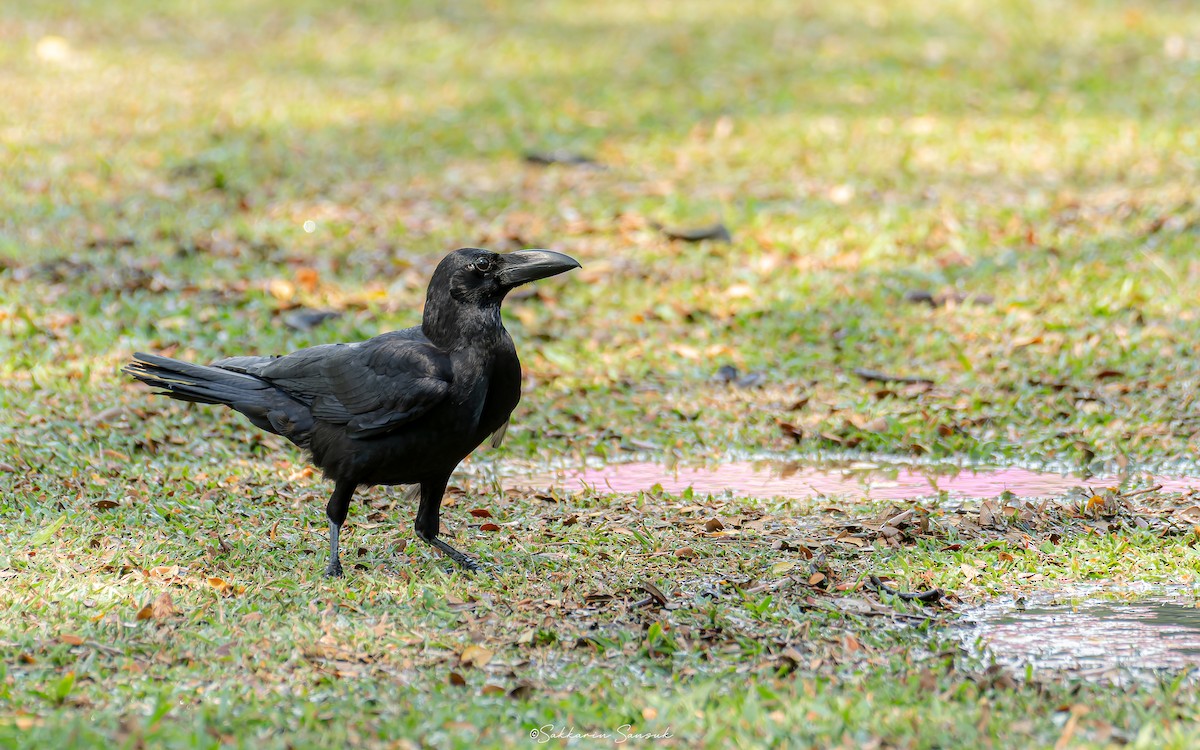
{"x": 180, "y": 175}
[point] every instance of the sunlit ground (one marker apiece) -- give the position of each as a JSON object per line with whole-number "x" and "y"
{"x": 996, "y": 200}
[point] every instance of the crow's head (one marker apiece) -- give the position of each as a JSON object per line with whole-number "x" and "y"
{"x": 481, "y": 277}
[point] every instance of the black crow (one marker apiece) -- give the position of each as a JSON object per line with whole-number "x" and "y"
{"x": 402, "y": 408}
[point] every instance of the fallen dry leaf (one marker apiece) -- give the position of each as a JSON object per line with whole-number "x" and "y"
{"x": 307, "y": 278}
{"x": 163, "y": 607}
{"x": 475, "y": 656}
{"x": 164, "y": 572}
{"x": 521, "y": 691}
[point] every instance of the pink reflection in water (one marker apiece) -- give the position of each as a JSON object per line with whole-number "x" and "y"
{"x": 748, "y": 479}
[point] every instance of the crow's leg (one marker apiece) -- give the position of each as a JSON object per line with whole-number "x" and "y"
{"x": 427, "y": 522}
{"x": 338, "y": 507}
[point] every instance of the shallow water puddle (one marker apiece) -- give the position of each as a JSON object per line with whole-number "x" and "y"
{"x": 775, "y": 479}
{"x": 1095, "y": 638}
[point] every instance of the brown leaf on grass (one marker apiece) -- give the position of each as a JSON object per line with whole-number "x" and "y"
{"x": 988, "y": 513}
{"x": 281, "y": 289}
{"x": 791, "y": 430}
{"x": 70, "y": 639}
{"x": 686, "y": 553}
{"x": 475, "y": 656}
{"x": 307, "y": 278}
{"x": 489, "y": 527}
{"x": 1190, "y": 514}
{"x": 491, "y": 689}
{"x": 164, "y": 572}
{"x": 850, "y": 442}
{"x": 847, "y": 538}
{"x": 713, "y": 524}
{"x": 788, "y": 545}
{"x": 222, "y": 547}
{"x": 105, "y": 504}
{"x": 161, "y": 608}
{"x": 327, "y": 649}
{"x": 457, "y": 680}
{"x": 223, "y": 587}
{"x": 481, "y": 513}
{"x": 521, "y": 691}
{"x": 654, "y": 592}
{"x": 1076, "y": 712}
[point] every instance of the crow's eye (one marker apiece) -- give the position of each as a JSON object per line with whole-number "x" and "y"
{"x": 483, "y": 264}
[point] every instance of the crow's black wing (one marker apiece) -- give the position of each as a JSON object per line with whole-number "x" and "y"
{"x": 372, "y": 387}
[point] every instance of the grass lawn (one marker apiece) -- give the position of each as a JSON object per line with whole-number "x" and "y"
{"x": 185, "y": 177}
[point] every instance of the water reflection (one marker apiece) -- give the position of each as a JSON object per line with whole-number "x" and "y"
{"x": 1094, "y": 638}
{"x": 775, "y": 479}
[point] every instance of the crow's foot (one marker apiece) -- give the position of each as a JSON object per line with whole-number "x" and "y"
{"x": 465, "y": 561}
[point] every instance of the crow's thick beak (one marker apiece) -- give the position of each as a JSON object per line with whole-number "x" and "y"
{"x": 525, "y": 266}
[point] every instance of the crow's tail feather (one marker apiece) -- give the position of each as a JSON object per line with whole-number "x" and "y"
{"x": 265, "y": 405}
{"x": 200, "y": 383}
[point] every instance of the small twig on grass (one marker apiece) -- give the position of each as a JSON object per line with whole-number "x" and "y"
{"x": 1147, "y": 490}
{"x": 928, "y": 597}
{"x": 883, "y": 377}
